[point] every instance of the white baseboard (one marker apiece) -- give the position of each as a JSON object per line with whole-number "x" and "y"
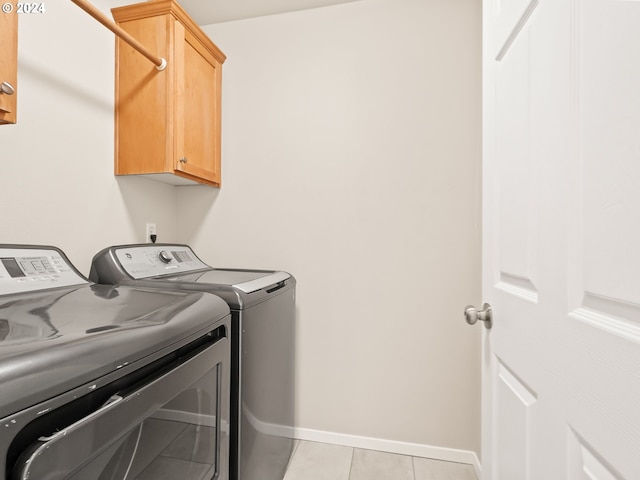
{"x": 391, "y": 446}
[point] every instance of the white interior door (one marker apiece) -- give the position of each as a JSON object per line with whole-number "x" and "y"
{"x": 561, "y": 253}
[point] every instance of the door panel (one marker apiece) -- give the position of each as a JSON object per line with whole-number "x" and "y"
{"x": 604, "y": 321}
{"x": 561, "y": 365}
{"x": 513, "y": 414}
{"x": 609, "y": 147}
{"x": 511, "y": 17}
{"x": 584, "y": 464}
{"x": 511, "y": 196}
{"x": 517, "y": 188}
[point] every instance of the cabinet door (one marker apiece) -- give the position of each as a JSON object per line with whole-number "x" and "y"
{"x": 198, "y": 96}
{"x": 8, "y": 64}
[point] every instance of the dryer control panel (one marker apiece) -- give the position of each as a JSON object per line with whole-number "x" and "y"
{"x": 142, "y": 261}
{"x": 28, "y": 269}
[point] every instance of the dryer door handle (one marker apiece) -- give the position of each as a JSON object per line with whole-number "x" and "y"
{"x": 110, "y": 404}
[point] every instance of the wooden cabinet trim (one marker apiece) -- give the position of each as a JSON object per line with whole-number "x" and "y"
{"x": 167, "y": 7}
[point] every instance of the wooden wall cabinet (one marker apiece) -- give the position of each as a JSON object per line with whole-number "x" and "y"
{"x": 8, "y": 66}
{"x": 167, "y": 122}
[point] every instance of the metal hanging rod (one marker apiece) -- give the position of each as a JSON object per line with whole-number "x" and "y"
{"x": 159, "y": 62}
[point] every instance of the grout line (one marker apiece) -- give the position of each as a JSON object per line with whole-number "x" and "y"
{"x": 353, "y": 453}
{"x": 293, "y": 454}
{"x": 413, "y": 467}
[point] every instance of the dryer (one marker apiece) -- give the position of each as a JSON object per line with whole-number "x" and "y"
{"x": 108, "y": 382}
{"x": 262, "y": 306}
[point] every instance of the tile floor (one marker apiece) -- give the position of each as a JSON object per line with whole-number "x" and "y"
{"x": 321, "y": 461}
{"x": 166, "y": 451}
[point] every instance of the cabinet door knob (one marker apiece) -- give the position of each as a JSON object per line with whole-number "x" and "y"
{"x": 7, "y": 88}
{"x": 183, "y": 160}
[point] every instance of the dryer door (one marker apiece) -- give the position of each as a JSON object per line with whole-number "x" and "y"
{"x": 173, "y": 424}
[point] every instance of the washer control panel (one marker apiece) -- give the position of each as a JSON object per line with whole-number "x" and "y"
{"x": 142, "y": 261}
{"x": 38, "y": 268}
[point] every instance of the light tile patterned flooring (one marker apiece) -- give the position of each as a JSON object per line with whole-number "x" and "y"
{"x": 322, "y": 461}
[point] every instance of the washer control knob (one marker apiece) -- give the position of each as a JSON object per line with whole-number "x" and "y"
{"x": 165, "y": 256}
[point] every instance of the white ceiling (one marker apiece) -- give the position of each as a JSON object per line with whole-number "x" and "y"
{"x": 205, "y": 12}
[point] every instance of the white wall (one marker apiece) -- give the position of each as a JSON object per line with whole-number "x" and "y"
{"x": 351, "y": 158}
{"x": 56, "y": 183}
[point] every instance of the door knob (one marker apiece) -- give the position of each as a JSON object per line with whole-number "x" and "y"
{"x": 7, "y": 88}
{"x": 472, "y": 315}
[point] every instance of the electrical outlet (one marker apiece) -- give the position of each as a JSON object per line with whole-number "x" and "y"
{"x": 150, "y": 230}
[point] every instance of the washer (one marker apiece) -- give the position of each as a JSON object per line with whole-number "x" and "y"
{"x": 108, "y": 382}
{"x": 262, "y": 355}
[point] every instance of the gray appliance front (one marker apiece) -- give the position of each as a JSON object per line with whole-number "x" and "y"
{"x": 164, "y": 423}
{"x": 263, "y": 343}
{"x": 95, "y": 378}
